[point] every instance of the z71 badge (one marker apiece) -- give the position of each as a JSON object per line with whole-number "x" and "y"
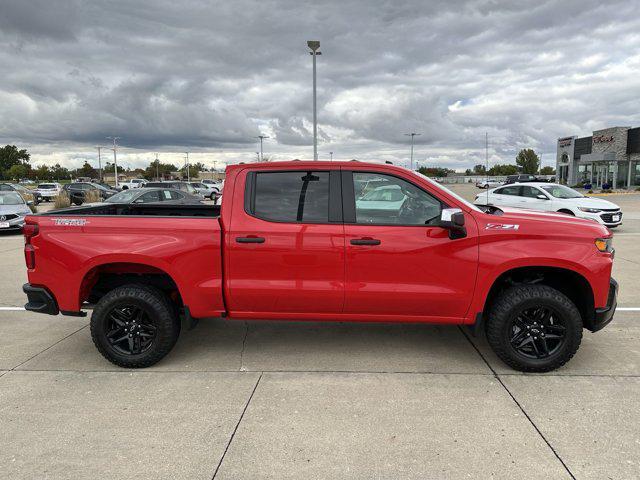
{"x": 501, "y": 226}
{"x": 70, "y": 222}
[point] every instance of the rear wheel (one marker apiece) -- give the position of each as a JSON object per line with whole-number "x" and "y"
{"x": 534, "y": 328}
{"x": 134, "y": 326}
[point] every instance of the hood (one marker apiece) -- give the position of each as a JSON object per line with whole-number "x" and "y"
{"x": 591, "y": 202}
{"x": 559, "y": 223}
{"x": 19, "y": 209}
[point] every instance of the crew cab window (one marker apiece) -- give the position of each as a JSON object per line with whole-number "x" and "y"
{"x": 388, "y": 200}
{"x": 515, "y": 190}
{"x": 292, "y": 196}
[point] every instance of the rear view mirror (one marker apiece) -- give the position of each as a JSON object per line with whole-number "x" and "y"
{"x": 453, "y": 220}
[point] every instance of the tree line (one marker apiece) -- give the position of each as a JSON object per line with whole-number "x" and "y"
{"x": 15, "y": 164}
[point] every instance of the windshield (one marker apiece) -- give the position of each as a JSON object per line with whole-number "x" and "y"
{"x": 11, "y": 198}
{"x": 560, "y": 191}
{"x": 450, "y": 192}
{"x": 46, "y": 186}
{"x": 126, "y": 196}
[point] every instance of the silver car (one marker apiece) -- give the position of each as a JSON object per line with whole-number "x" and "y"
{"x": 13, "y": 209}
{"x": 206, "y": 190}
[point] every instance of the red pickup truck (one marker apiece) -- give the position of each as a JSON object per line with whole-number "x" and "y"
{"x": 327, "y": 241}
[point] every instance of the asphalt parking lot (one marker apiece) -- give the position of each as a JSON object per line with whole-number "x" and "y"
{"x": 309, "y": 400}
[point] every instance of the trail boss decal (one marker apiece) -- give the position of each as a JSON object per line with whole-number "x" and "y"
{"x": 501, "y": 226}
{"x": 70, "y": 222}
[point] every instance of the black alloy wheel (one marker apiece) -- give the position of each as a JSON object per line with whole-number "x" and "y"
{"x": 130, "y": 330}
{"x": 537, "y": 332}
{"x": 135, "y": 325}
{"x": 534, "y": 328}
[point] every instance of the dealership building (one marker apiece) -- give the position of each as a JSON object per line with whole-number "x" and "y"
{"x": 610, "y": 156}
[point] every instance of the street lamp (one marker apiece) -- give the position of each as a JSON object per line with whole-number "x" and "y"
{"x": 314, "y": 45}
{"x": 331, "y": 154}
{"x": 115, "y": 159}
{"x": 187, "y": 165}
{"x": 412, "y": 134}
{"x": 99, "y": 164}
{"x": 261, "y": 137}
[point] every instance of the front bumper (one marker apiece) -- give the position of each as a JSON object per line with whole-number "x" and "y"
{"x": 604, "y": 315}
{"x": 40, "y": 300}
{"x": 14, "y": 224}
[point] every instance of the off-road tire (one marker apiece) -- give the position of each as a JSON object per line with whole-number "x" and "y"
{"x": 159, "y": 311}
{"x": 509, "y": 305}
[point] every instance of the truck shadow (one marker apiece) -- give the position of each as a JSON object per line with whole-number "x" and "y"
{"x": 324, "y": 346}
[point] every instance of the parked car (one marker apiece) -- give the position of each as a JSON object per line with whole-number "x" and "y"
{"x": 154, "y": 195}
{"x": 182, "y": 186}
{"x": 77, "y": 191}
{"x": 292, "y": 243}
{"x": 552, "y": 197}
{"x": 215, "y": 184}
{"x": 522, "y": 178}
{"x": 48, "y": 191}
{"x": 133, "y": 183}
{"x": 27, "y": 193}
{"x": 13, "y": 209}
{"x": 207, "y": 191}
{"x": 488, "y": 183}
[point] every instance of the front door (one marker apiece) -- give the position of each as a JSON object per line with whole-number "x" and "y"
{"x": 285, "y": 248}
{"x": 399, "y": 263}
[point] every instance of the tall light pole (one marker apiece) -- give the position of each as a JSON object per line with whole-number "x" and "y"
{"x": 115, "y": 158}
{"x": 99, "y": 164}
{"x": 157, "y": 168}
{"x": 412, "y": 134}
{"x": 187, "y": 165}
{"x": 314, "y": 45}
{"x": 261, "y": 137}
{"x": 331, "y": 156}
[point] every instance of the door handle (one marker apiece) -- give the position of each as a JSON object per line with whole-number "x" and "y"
{"x": 365, "y": 241}
{"x": 250, "y": 239}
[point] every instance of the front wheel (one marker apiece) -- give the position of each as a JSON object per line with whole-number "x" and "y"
{"x": 134, "y": 326}
{"x": 534, "y": 328}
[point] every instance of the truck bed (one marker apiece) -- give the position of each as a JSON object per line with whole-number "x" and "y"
{"x": 113, "y": 209}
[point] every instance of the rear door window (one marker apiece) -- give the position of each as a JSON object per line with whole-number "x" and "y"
{"x": 301, "y": 196}
{"x": 514, "y": 190}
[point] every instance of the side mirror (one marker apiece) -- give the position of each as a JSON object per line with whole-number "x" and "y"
{"x": 30, "y": 203}
{"x": 542, "y": 197}
{"x": 452, "y": 219}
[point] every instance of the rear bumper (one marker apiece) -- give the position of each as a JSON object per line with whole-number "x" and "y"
{"x": 604, "y": 315}
{"x": 40, "y": 300}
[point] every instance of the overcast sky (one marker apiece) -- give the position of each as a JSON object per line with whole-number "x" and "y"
{"x": 207, "y": 77}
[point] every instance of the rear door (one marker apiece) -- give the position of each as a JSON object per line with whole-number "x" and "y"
{"x": 285, "y": 244}
{"x": 506, "y": 196}
{"x": 399, "y": 264}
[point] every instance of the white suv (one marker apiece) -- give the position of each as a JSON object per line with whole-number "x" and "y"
{"x": 49, "y": 191}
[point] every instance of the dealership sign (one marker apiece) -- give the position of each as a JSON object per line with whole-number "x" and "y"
{"x": 603, "y": 139}
{"x": 565, "y": 142}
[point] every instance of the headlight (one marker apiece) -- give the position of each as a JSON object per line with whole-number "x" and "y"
{"x": 589, "y": 210}
{"x": 604, "y": 244}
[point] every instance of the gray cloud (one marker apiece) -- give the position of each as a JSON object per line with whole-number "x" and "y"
{"x": 210, "y": 76}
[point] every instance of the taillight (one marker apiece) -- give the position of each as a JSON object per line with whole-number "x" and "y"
{"x": 29, "y": 230}
{"x": 30, "y": 256}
